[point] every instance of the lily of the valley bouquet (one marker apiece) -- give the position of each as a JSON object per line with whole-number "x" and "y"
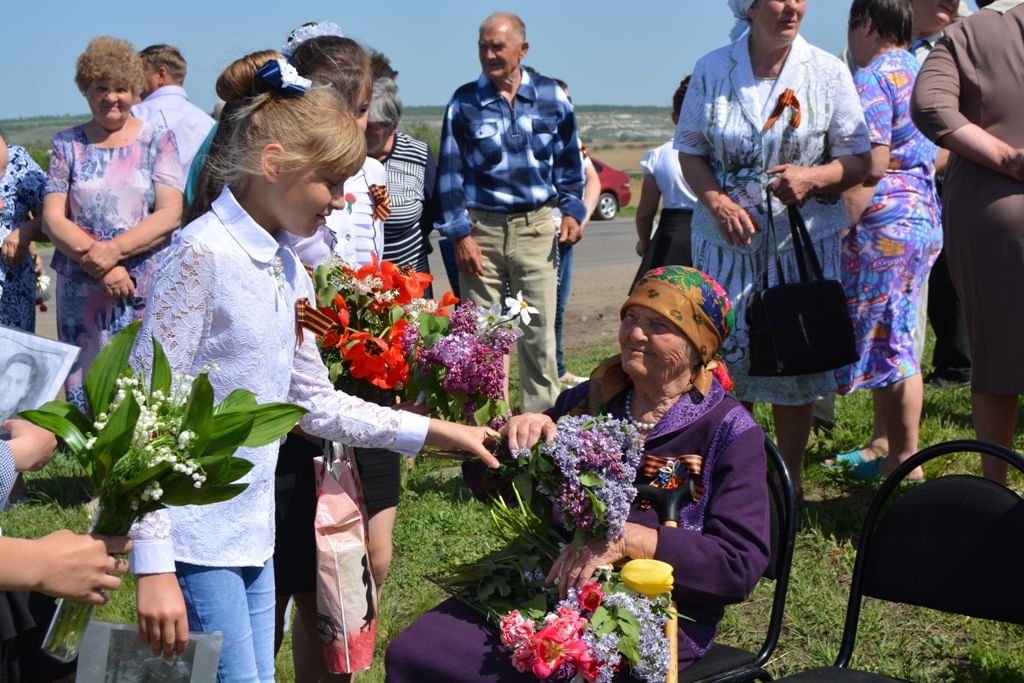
{"x": 372, "y": 311}
{"x": 458, "y": 367}
{"x": 154, "y": 441}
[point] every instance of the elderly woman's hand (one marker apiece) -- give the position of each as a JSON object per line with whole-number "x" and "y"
{"x": 118, "y": 283}
{"x": 792, "y": 183}
{"x": 573, "y": 568}
{"x": 100, "y": 258}
{"x": 14, "y": 248}
{"x": 524, "y": 431}
{"x": 737, "y": 225}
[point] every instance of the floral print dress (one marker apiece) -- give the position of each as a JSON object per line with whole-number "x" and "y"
{"x": 109, "y": 191}
{"x": 888, "y": 254}
{"x": 21, "y": 188}
{"x": 726, "y": 118}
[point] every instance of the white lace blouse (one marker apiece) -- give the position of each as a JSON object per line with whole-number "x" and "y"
{"x": 224, "y": 298}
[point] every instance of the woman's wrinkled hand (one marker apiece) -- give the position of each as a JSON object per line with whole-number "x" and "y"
{"x": 118, "y": 283}
{"x": 526, "y": 430}
{"x": 163, "y": 621}
{"x": 14, "y": 248}
{"x": 792, "y": 183}
{"x": 735, "y": 222}
{"x": 100, "y": 257}
{"x": 573, "y": 568}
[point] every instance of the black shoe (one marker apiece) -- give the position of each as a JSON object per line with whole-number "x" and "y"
{"x": 950, "y": 378}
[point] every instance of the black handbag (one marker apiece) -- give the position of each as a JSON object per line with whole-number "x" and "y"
{"x": 798, "y": 328}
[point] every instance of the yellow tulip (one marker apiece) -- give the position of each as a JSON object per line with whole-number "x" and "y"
{"x": 649, "y": 577}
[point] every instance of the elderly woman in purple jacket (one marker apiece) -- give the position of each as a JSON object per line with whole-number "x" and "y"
{"x": 666, "y": 381}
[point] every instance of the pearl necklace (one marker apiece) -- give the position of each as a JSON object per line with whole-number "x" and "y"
{"x": 642, "y": 426}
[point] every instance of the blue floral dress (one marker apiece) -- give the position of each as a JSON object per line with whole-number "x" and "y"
{"x": 21, "y": 188}
{"x": 888, "y": 254}
{"x": 109, "y": 191}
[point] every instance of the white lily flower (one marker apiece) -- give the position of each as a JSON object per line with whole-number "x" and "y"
{"x": 520, "y": 307}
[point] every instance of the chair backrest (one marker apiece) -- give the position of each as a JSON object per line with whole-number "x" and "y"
{"x": 951, "y": 544}
{"x": 783, "y": 538}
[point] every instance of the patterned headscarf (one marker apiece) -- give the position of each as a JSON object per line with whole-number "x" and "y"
{"x": 739, "y": 10}
{"x": 312, "y": 29}
{"x": 696, "y": 304}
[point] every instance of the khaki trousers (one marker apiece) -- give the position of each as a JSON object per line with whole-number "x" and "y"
{"x": 520, "y": 249}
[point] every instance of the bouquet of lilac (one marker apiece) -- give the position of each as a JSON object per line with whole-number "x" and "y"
{"x": 457, "y": 367}
{"x": 587, "y": 473}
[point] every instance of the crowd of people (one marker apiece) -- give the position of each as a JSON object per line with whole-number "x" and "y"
{"x": 204, "y": 229}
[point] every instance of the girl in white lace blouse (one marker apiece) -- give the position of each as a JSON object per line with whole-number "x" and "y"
{"x": 224, "y": 298}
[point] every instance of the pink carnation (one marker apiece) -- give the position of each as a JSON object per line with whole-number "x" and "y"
{"x": 515, "y": 630}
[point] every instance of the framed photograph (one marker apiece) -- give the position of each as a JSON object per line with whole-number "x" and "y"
{"x": 32, "y": 370}
{"x": 113, "y": 653}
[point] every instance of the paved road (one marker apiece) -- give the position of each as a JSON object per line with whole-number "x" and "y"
{"x": 606, "y": 243}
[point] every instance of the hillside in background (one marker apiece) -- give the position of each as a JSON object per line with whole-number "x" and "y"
{"x": 599, "y": 124}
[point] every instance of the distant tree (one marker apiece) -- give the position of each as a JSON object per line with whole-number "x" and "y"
{"x": 425, "y": 133}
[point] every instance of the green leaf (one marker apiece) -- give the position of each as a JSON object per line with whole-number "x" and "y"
{"x": 70, "y": 426}
{"x": 161, "y": 379}
{"x": 590, "y": 479}
{"x": 114, "y": 439}
{"x": 229, "y": 470}
{"x": 199, "y": 413}
{"x": 237, "y": 400}
{"x": 271, "y": 421}
{"x": 227, "y": 432}
{"x": 148, "y": 474}
{"x": 111, "y": 363}
{"x": 186, "y": 494}
{"x": 324, "y": 290}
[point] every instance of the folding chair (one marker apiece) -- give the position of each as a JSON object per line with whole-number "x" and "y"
{"x": 951, "y": 544}
{"x": 725, "y": 663}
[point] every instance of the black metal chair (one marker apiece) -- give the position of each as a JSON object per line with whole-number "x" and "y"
{"x": 952, "y": 544}
{"x": 725, "y": 663}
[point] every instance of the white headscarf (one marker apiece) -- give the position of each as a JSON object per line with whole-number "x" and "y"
{"x": 739, "y": 10}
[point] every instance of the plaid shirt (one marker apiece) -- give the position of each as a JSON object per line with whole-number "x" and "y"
{"x": 8, "y": 473}
{"x": 496, "y": 158}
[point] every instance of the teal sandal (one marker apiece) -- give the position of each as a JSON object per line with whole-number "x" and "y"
{"x": 853, "y": 458}
{"x": 868, "y": 471}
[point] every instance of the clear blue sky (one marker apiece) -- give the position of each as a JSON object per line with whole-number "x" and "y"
{"x": 623, "y": 53}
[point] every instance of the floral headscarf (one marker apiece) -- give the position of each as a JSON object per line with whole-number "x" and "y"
{"x": 695, "y": 303}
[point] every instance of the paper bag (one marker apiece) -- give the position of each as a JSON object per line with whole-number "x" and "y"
{"x": 346, "y": 596}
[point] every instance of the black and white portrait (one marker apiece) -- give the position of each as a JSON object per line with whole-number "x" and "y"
{"x": 113, "y": 653}
{"x": 32, "y": 370}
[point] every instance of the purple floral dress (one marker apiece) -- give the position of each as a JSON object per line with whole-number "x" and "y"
{"x": 888, "y": 254}
{"x": 21, "y": 188}
{"x": 109, "y": 190}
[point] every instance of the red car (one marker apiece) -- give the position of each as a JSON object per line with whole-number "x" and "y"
{"x": 614, "y": 191}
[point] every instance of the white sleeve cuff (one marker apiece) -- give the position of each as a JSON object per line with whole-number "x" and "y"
{"x": 152, "y": 557}
{"x": 412, "y": 433}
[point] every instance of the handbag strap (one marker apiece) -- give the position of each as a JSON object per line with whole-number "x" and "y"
{"x": 771, "y": 246}
{"x": 802, "y": 244}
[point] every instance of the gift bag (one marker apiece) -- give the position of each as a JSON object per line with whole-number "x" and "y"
{"x": 346, "y": 596}
{"x": 798, "y": 328}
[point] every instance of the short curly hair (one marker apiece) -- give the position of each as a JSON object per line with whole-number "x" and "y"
{"x": 107, "y": 58}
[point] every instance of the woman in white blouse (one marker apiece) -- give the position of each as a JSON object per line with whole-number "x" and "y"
{"x": 664, "y": 183}
{"x": 771, "y": 112}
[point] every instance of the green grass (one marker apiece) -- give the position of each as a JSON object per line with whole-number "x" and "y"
{"x": 440, "y": 525}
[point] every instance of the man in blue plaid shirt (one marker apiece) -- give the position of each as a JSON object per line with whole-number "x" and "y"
{"x": 509, "y": 153}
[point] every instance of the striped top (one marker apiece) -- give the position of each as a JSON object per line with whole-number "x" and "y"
{"x": 411, "y": 175}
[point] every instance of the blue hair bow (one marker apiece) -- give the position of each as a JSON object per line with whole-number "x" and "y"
{"x": 279, "y": 74}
